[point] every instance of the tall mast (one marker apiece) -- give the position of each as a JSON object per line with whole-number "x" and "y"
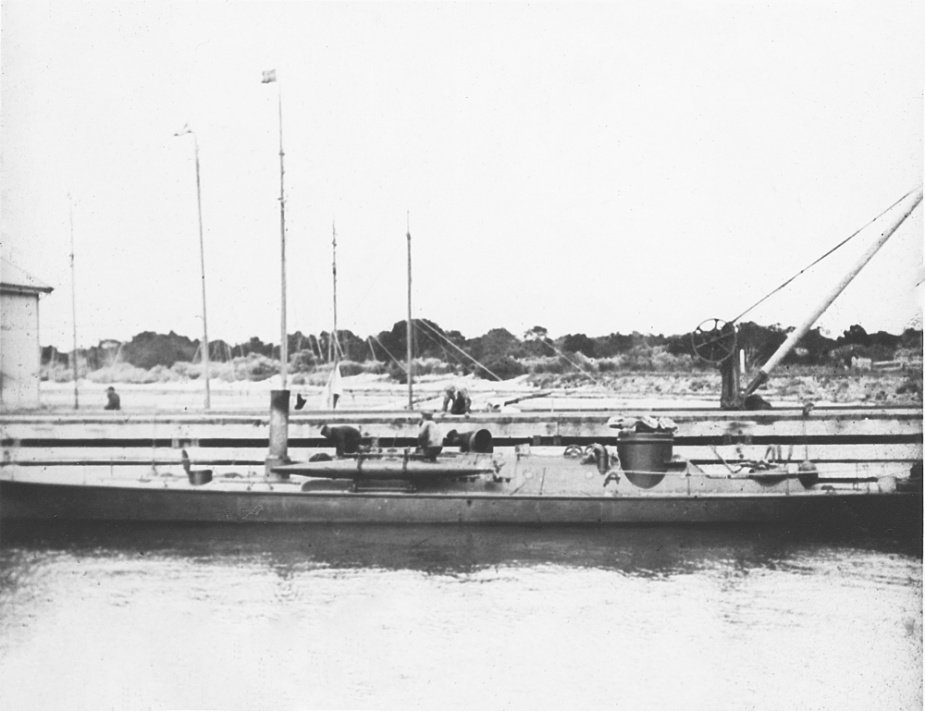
{"x": 269, "y": 77}
{"x": 408, "y": 334}
{"x": 73, "y": 305}
{"x": 202, "y": 262}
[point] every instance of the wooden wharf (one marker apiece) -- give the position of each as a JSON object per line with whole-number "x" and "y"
{"x": 841, "y": 440}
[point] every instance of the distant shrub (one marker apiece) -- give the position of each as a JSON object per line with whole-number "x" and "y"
{"x": 255, "y": 367}
{"x": 638, "y": 358}
{"x": 664, "y": 361}
{"x": 396, "y": 372}
{"x": 162, "y": 374}
{"x": 648, "y": 359}
{"x": 608, "y": 365}
{"x": 374, "y": 367}
{"x": 912, "y": 386}
{"x": 575, "y": 378}
{"x": 554, "y": 366}
{"x": 419, "y": 367}
{"x": 56, "y": 373}
{"x": 432, "y": 366}
{"x": 505, "y": 368}
{"x": 544, "y": 380}
{"x": 127, "y": 373}
{"x": 184, "y": 371}
{"x": 303, "y": 361}
{"x": 350, "y": 367}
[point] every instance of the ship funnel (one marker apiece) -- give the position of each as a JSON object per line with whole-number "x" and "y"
{"x": 644, "y": 456}
{"x": 278, "y": 453}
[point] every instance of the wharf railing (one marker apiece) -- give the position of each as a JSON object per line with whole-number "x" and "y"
{"x": 847, "y": 437}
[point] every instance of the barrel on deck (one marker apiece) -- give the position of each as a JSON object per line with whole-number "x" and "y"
{"x": 644, "y": 456}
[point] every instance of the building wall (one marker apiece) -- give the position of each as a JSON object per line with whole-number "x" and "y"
{"x": 20, "y": 352}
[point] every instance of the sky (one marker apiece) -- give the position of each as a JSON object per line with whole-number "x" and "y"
{"x": 586, "y": 167}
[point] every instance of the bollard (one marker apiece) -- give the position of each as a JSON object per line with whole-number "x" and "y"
{"x": 279, "y": 433}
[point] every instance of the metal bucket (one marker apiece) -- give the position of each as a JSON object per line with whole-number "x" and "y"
{"x": 644, "y": 456}
{"x": 198, "y": 477}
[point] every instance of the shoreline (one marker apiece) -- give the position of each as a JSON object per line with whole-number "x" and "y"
{"x": 379, "y": 392}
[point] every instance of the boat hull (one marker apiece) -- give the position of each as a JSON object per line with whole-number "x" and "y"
{"x": 289, "y": 504}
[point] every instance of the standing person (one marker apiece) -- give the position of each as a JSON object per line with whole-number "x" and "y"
{"x": 346, "y": 439}
{"x": 457, "y": 399}
{"x": 430, "y": 438}
{"x": 113, "y": 402}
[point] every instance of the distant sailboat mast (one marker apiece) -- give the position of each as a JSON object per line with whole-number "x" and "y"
{"x": 73, "y": 304}
{"x": 334, "y": 388}
{"x": 335, "y": 344}
{"x": 408, "y": 334}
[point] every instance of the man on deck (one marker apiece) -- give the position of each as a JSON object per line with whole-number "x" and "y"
{"x": 113, "y": 402}
{"x": 346, "y": 439}
{"x": 457, "y": 399}
{"x": 430, "y": 438}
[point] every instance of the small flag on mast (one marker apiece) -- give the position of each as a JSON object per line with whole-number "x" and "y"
{"x": 268, "y": 76}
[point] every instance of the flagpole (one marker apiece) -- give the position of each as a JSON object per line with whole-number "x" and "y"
{"x": 73, "y": 303}
{"x": 269, "y": 77}
{"x": 284, "y": 339}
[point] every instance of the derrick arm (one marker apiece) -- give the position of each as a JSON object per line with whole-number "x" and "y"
{"x": 798, "y": 333}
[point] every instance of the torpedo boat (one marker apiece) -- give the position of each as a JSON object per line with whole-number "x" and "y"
{"x": 632, "y": 478}
{"x": 640, "y": 482}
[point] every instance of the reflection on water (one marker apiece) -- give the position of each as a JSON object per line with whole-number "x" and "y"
{"x": 638, "y": 550}
{"x": 157, "y": 616}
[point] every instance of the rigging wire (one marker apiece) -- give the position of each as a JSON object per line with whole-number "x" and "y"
{"x": 448, "y": 356}
{"x": 440, "y": 335}
{"x": 840, "y": 244}
{"x": 580, "y": 369}
{"x": 389, "y": 354}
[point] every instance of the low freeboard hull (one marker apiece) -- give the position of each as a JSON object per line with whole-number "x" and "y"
{"x": 289, "y": 504}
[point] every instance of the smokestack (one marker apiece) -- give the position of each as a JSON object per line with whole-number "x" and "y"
{"x": 279, "y": 433}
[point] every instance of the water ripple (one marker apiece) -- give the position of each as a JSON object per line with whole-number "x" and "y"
{"x": 294, "y": 617}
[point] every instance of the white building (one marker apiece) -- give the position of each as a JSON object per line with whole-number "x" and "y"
{"x": 20, "y": 350}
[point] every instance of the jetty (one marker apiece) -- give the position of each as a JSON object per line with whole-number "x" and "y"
{"x": 842, "y": 441}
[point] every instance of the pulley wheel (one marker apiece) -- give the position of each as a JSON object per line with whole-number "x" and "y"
{"x": 714, "y": 340}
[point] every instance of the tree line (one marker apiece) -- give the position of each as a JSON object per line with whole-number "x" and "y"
{"x": 499, "y": 352}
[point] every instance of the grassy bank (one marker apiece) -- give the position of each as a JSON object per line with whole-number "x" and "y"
{"x": 655, "y": 378}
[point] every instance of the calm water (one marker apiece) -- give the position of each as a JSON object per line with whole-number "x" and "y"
{"x": 497, "y": 618}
